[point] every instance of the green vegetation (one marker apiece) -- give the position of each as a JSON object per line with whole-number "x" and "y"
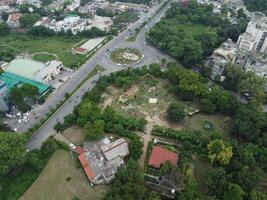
{"x": 61, "y": 46}
{"x": 28, "y": 20}
{"x": 124, "y": 18}
{"x": 24, "y": 96}
{"x": 63, "y": 180}
{"x": 176, "y": 112}
{"x": 219, "y": 152}
{"x": 256, "y": 5}
{"x": 24, "y": 170}
{"x": 195, "y": 29}
{"x": 43, "y": 57}
{"x": 117, "y": 55}
{"x": 12, "y": 146}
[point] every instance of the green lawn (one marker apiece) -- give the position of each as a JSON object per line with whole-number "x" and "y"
{"x": 187, "y": 28}
{"x": 199, "y": 120}
{"x": 61, "y": 180}
{"x": 44, "y": 57}
{"x": 60, "y": 46}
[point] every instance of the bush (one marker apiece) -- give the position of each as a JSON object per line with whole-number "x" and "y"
{"x": 176, "y": 112}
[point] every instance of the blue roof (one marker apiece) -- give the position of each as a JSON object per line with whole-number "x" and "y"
{"x": 12, "y": 80}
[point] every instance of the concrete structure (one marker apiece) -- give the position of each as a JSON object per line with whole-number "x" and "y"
{"x": 221, "y": 57}
{"x": 13, "y": 20}
{"x": 34, "y": 70}
{"x": 255, "y": 37}
{"x": 4, "y": 102}
{"x": 102, "y": 159}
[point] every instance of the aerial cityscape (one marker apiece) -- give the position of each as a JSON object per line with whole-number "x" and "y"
{"x": 133, "y": 99}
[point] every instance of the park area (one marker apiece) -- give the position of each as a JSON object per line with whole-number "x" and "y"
{"x": 125, "y": 55}
{"x": 42, "y": 48}
{"x": 63, "y": 178}
{"x": 150, "y": 97}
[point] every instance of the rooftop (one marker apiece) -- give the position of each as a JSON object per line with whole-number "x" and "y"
{"x": 160, "y": 156}
{"x": 24, "y": 67}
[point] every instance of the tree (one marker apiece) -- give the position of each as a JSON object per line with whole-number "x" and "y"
{"x": 129, "y": 183}
{"x": 5, "y": 16}
{"x": 233, "y": 191}
{"x": 257, "y": 195}
{"x": 12, "y": 151}
{"x": 95, "y": 130}
{"x": 190, "y": 191}
{"x": 248, "y": 121}
{"x": 4, "y": 30}
{"x": 207, "y": 106}
{"x": 41, "y": 31}
{"x": 217, "y": 180}
{"x": 176, "y": 112}
{"x": 28, "y": 20}
{"x": 219, "y": 152}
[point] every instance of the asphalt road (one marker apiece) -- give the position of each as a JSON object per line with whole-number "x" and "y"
{"x": 151, "y": 55}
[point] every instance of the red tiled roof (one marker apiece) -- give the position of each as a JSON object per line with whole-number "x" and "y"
{"x": 86, "y": 167}
{"x": 79, "y": 49}
{"x": 160, "y": 155}
{"x": 79, "y": 150}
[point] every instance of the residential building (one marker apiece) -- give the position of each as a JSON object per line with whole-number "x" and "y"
{"x": 255, "y": 37}
{"x": 102, "y": 159}
{"x": 71, "y": 22}
{"x": 221, "y": 57}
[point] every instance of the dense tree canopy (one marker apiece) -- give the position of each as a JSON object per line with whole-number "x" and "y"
{"x": 28, "y": 20}
{"x": 4, "y": 30}
{"x": 12, "y": 151}
{"x": 176, "y": 112}
{"x": 191, "y": 33}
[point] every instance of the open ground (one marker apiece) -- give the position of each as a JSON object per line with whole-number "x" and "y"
{"x": 62, "y": 178}
{"x": 25, "y": 44}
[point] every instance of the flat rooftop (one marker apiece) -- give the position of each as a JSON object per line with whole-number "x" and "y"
{"x": 24, "y": 67}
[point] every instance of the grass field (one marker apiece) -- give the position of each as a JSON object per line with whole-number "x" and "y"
{"x": 44, "y": 57}
{"x": 55, "y": 45}
{"x": 61, "y": 180}
{"x": 187, "y": 28}
{"x": 75, "y": 135}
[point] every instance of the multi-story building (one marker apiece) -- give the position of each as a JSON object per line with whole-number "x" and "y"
{"x": 255, "y": 37}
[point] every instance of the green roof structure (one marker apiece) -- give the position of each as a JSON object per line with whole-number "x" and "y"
{"x": 13, "y": 80}
{"x": 24, "y": 67}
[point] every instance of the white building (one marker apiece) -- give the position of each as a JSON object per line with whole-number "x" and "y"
{"x": 255, "y": 37}
{"x": 71, "y": 22}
